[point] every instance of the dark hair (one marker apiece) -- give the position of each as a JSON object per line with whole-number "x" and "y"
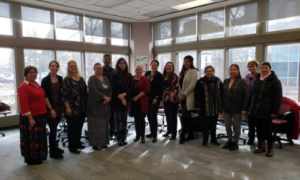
{"x": 154, "y": 60}
{"x": 238, "y": 68}
{"x": 209, "y": 67}
{"x": 106, "y": 55}
{"x": 27, "y": 69}
{"x": 54, "y": 62}
{"x": 189, "y": 57}
{"x": 266, "y": 64}
{"x": 170, "y": 76}
{"x": 118, "y": 70}
{"x": 96, "y": 65}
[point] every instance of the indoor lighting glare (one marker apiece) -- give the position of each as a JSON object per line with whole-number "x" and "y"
{"x": 192, "y": 4}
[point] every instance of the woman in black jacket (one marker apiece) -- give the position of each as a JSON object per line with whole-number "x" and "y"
{"x": 122, "y": 85}
{"x": 266, "y": 96}
{"x": 155, "y": 79}
{"x": 235, "y": 102}
{"x": 52, "y": 86}
{"x": 208, "y": 100}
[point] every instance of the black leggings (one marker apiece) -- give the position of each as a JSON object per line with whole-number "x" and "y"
{"x": 264, "y": 129}
{"x": 209, "y": 126}
{"x": 152, "y": 117}
{"x": 171, "y": 116}
{"x": 139, "y": 122}
{"x": 53, "y": 123}
{"x": 75, "y": 124}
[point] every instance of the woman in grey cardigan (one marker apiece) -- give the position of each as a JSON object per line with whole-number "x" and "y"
{"x": 235, "y": 101}
{"x": 98, "y": 108}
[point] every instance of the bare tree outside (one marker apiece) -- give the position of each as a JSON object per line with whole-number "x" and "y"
{"x": 90, "y": 60}
{"x": 94, "y": 31}
{"x": 68, "y": 27}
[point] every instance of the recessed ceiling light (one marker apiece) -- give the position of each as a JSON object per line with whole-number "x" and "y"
{"x": 192, "y": 4}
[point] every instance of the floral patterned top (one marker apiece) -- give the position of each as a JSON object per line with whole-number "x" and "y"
{"x": 75, "y": 93}
{"x": 170, "y": 86}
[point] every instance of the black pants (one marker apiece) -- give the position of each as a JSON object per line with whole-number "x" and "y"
{"x": 152, "y": 117}
{"x": 171, "y": 116}
{"x": 112, "y": 122}
{"x": 121, "y": 117}
{"x": 53, "y": 123}
{"x": 75, "y": 124}
{"x": 251, "y": 126}
{"x": 186, "y": 119}
{"x": 264, "y": 129}
{"x": 209, "y": 126}
{"x": 139, "y": 123}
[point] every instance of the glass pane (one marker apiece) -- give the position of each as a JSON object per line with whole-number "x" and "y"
{"x": 68, "y": 34}
{"x": 7, "y": 78}
{"x": 95, "y": 39}
{"x": 285, "y": 63}
{"x": 116, "y": 30}
{"x": 283, "y": 24}
{"x": 115, "y": 58}
{"x": 67, "y": 21}
{"x": 39, "y": 59}
{"x": 36, "y": 15}
{"x": 4, "y": 10}
{"x": 119, "y": 42}
{"x": 94, "y": 31}
{"x": 240, "y": 56}
{"x": 163, "y": 59}
{"x": 187, "y": 26}
{"x": 212, "y": 25}
{"x": 90, "y": 60}
{"x": 37, "y": 30}
{"x": 186, "y": 39}
{"x": 242, "y": 30}
{"x": 63, "y": 57}
{"x": 181, "y": 55}
{"x": 6, "y": 26}
{"x": 165, "y": 30}
{"x": 214, "y": 58}
{"x": 163, "y": 42}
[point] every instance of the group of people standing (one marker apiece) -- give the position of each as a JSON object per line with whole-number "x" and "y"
{"x": 111, "y": 93}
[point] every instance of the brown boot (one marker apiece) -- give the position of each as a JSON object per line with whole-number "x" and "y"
{"x": 262, "y": 147}
{"x": 270, "y": 152}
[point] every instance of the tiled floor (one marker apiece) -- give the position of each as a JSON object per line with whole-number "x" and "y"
{"x": 162, "y": 160}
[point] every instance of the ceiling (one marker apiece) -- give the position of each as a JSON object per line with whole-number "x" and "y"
{"x": 132, "y": 10}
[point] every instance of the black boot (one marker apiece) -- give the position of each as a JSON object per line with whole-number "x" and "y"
{"x": 124, "y": 134}
{"x": 181, "y": 140}
{"x": 54, "y": 153}
{"x": 143, "y": 139}
{"x": 119, "y": 138}
{"x": 166, "y": 134}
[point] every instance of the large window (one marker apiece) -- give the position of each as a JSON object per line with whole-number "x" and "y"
{"x": 90, "y": 60}
{"x": 163, "y": 59}
{"x": 7, "y": 78}
{"x": 283, "y": 24}
{"x": 214, "y": 58}
{"x": 5, "y": 20}
{"x": 211, "y": 25}
{"x": 163, "y": 33}
{"x": 240, "y": 56}
{"x": 94, "y": 31}
{"x": 181, "y": 56}
{"x": 68, "y": 27}
{"x": 187, "y": 30}
{"x": 36, "y": 23}
{"x": 63, "y": 57}
{"x": 119, "y": 34}
{"x": 115, "y": 58}
{"x": 39, "y": 59}
{"x": 242, "y": 19}
{"x": 285, "y": 60}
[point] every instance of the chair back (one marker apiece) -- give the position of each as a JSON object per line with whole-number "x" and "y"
{"x": 284, "y": 108}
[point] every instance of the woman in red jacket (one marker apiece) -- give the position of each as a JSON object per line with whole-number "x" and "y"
{"x": 139, "y": 105}
{"x": 32, "y": 121}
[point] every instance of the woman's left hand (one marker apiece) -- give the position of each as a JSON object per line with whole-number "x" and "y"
{"x": 181, "y": 98}
{"x": 135, "y": 99}
{"x": 53, "y": 113}
{"x": 244, "y": 113}
{"x": 154, "y": 101}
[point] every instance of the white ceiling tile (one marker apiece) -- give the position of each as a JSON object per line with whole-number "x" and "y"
{"x": 140, "y": 17}
{"x": 123, "y": 8}
{"x": 169, "y": 3}
{"x": 153, "y": 7}
{"x": 111, "y": 11}
{"x": 127, "y": 14}
{"x": 152, "y": 1}
{"x": 75, "y": 4}
{"x": 88, "y": 1}
{"x": 94, "y": 8}
{"x": 56, "y": 1}
{"x": 137, "y": 3}
{"x": 139, "y": 11}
